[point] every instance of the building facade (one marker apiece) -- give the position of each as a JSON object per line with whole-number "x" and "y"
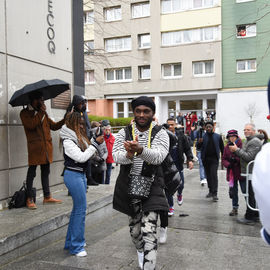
{"x": 245, "y": 64}
{"x": 36, "y": 42}
{"x": 169, "y": 50}
{"x": 189, "y": 55}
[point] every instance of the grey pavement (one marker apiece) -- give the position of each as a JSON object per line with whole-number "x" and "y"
{"x": 207, "y": 238}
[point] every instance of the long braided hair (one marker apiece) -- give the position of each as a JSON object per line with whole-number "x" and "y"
{"x": 73, "y": 122}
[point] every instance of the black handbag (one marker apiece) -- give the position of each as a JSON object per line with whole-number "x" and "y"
{"x": 172, "y": 178}
{"x": 139, "y": 186}
{"x": 18, "y": 200}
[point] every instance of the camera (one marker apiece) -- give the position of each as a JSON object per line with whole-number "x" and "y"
{"x": 230, "y": 143}
{"x": 98, "y": 131}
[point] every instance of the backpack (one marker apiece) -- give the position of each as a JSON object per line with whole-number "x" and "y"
{"x": 171, "y": 175}
{"x": 18, "y": 200}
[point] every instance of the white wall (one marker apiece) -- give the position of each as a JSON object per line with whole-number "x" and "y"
{"x": 232, "y": 106}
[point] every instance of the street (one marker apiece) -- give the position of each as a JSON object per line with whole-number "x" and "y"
{"x": 205, "y": 237}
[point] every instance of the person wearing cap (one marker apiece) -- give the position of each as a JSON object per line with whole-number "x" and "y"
{"x": 37, "y": 126}
{"x": 109, "y": 140}
{"x": 140, "y": 154}
{"x": 247, "y": 153}
{"x": 211, "y": 148}
{"x": 232, "y": 163}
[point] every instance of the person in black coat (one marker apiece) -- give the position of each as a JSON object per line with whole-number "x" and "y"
{"x": 141, "y": 155}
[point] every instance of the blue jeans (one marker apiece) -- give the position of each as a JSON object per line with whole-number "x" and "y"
{"x": 76, "y": 184}
{"x": 179, "y": 191}
{"x": 107, "y": 174}
{"x": 235, "y": 192}
{"x": 202, "y": 173}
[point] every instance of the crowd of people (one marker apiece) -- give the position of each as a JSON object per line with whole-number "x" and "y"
{"x": 90, "y": 149}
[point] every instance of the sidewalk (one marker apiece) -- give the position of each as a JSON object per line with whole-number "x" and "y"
{"x": 21, "y": 226}
{"x": 206, "y": 238}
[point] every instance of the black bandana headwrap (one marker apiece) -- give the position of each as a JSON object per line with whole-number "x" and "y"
{"x": 143, "y": 100}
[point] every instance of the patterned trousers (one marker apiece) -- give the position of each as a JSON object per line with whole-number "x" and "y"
{"x": 143, "y": 230}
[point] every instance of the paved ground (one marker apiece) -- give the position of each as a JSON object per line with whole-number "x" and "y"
{"x": 208, "y": 238}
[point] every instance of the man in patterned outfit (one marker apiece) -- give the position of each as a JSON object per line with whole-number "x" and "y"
{"x": 140, "y": 154}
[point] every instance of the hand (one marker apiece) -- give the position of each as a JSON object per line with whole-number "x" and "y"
{"x": 193, "y": 128}
{"x": 100, "y": 139}
{"x": 200, "y": 140}
{"x": 43, "y": 107}
{"x": 233, "y": 147}
{"x": 133, "y": 147}
{"x": 190, "y": 165}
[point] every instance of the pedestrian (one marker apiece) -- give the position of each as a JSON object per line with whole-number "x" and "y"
{"x": 109, "y": 140}
{"x": 78, "y": 104}
{"x": 180, "y": 119}
{"x": 232, "y": 162}
{"x": 177, "y": 152}
{"x": 77, "y": 152}
{"x": 263, "y": 136}
{"x": 197, "y": 135}
{"x": 261, "y": 184}
{"x": 37, "y": 126}
{"x": 247, "y": 153}
{"x": 140, "y": 156}
{"x": 98, "y": 161}
{"x": 211, "y": 148}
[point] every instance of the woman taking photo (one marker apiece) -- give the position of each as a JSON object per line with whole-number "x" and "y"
{"x": 77, "y": 151}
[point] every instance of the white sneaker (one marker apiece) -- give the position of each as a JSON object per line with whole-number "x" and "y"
{"x": 162, "y": 235}
{"x": 82, "y": 253}
{"x": 203, "y": 182}
{"x": 140, "y": 259}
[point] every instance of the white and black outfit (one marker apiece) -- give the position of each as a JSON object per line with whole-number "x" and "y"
{"x": 143, "y": 214}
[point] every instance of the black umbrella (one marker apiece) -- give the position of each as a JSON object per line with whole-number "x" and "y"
{"x": 48, "y": 88}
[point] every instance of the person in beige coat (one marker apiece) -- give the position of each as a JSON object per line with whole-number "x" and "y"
{"x": 37, "y": 126}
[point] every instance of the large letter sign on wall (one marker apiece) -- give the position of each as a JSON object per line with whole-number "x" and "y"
{"x": 50, "y": 30}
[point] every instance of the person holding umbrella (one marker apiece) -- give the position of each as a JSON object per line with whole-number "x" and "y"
{"x": 37, "y": 126}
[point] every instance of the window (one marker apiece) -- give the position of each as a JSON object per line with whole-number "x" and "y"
{"x": 88, "y": 17}
{"x": 203, "y": 68}
{"x": 120, "y": 109}
{"x": 144, "y": 72}
{"x": 144, "y": 41}
{"x": 140, "y": 10}
{"x": 191, "y": 36}
{"x": 172, "y": 6}
{"x": 130, "y": 111}
{"x": 171, "y": 71}
{"x": 89, "y": 47}
{"x": 118, "y": 44}
{"x": 244, "y": 31}
{"x": 89, "y": 77}
{"x": 246, "y": 65}
{"x": 113, "y": 14}
{"x": 191, "y": 105}
{"x": 118, "y": 74}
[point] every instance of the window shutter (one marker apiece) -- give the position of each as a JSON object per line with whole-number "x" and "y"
{"x": 61, "y": 101}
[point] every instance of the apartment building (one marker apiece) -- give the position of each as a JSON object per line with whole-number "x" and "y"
{"x": 169, "y": 50}
{"x": 245, "y": 64}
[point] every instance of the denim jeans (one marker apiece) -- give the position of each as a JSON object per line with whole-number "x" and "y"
{"x": 235, "y": 192}
{"x": 202, "y": 173}
{"x": 107, "y": 174}
{"x": 76, "y": 184}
